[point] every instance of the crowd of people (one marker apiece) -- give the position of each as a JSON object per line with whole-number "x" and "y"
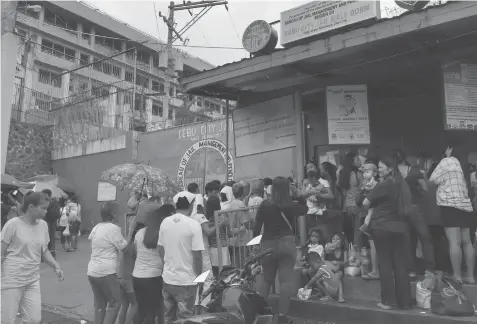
{"x": 385, "y": 204}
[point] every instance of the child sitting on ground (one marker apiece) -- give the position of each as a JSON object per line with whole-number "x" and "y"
{"x": 313, "y": 245}
{"x": 369, "y": 182}
{"x": 327, "y": 278}
{"x": 334, "y": 251}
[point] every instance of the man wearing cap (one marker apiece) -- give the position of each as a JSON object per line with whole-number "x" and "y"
{"x": 180, "y": 246}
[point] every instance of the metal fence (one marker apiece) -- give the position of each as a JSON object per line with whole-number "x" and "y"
{"x": 232, "y": 239}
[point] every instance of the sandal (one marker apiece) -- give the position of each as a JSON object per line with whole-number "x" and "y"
{"x": 469, "y": 281}
{"x": 326, "y": 299}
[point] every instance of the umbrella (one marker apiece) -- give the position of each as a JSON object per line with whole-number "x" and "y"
{"x": 135, "y": 176}
{"x": 59, "y": 181}
{"x": 55, "y": 191}
{"x": 9, "y": 181}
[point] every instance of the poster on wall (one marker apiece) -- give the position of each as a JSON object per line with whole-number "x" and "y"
{"x": 348, "y": 117}
{"x": 106, "y": 191}
{"x": 460, "y": 90}
{"x": 267, "y": 126}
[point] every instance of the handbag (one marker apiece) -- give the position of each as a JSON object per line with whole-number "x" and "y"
{"x": 66, "y": 232}
{"x": 449, "y": 299}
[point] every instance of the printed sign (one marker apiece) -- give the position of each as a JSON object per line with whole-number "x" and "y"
{"x": 319, "y": 17}
{"x": 197, "y": 132}
{"x": 413, "y": 5}
{"x": 460, "y": 88}
{"x": 211, "y": 173}
{"x": 348, "y": 118}
{"x": 259, "y": 36}
{"x": 106, "y": 191}
{"x": 264, "y": 127}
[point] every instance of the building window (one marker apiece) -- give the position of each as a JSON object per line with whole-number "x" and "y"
{"x": 22, "y": 7}
{"x": 127, "y": 98}
{"x": 155, "y": 86}
{"x": 84, "y": 59}
{"x": 171, "y": 91}
{"x": 157, "y": 108}
{"x": 143, "y": 57}
{"x": 99, "y": 89}
{"x": 117, "y": 71}
{"x": 97, "y": 66}
{"x": 155, "y": 60}
{"x": 129, "y": 76}
{"x": 44, "y": 101}
{"x": 106, "y": 41}
{"x": 58, "y": 50}
{"x": 199, "y": 102}
{"x": 107, "y": 68}
{"x": 142, "y": 81}
{"x": 46, "y": 46}
{"x": 55, "y": 20}
{"x": 86, "y": 32}
{"x": 70, "y": 54}
{"x": 48, "y": 77}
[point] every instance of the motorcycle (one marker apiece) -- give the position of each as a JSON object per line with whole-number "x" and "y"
{"x": 233, "y": 300}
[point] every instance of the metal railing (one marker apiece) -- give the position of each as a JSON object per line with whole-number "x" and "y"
{"x": 232, "y": 239}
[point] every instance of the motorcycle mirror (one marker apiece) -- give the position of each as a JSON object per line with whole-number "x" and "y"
{"x": 202, "y": 277}
{"x": 256, "y": 240}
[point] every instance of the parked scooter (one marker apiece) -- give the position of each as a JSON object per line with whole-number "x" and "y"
{"x": 234, "y": 301}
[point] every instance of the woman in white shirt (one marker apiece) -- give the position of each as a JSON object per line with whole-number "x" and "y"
{"x": 147, "y": 274}
{"x": 457, "y": 214}
{"x": 24, "y": 247}
{"x": 106, "y": 243}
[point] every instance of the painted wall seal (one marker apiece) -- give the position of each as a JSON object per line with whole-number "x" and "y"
{"x": 207, "y": 143}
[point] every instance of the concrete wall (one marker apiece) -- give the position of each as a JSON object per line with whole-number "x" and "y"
{"x": 165, "y": 149}
{"x": 84, "y": 173}
{"x": 28, "y": 152}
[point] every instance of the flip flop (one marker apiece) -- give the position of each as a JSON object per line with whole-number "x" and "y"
{"x": 326, "y": 299}
{"x": 470, "y": 281}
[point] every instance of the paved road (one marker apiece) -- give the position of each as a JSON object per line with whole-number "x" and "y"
{"x": 71, "y": 301}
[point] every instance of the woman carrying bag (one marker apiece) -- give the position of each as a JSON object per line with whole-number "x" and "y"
{"x": 276, "y": 215}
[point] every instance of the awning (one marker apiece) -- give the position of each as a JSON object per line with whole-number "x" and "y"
{"x": 389, "y": 47}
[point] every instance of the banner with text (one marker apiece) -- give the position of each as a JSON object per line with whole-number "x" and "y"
{"x": 321, "y": 16}
{"x": 460, "y": 87}
{"x": 348, "y": 117}
{"x": 264, "y": 127}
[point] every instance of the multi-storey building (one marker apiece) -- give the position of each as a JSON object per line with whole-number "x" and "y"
{"x": 65, "y": 35}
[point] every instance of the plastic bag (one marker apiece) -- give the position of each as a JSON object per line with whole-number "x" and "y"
{"x": 423, "y": 297}
{"x": 352, "y": 271}
{"x": 66, "y": 232}
{"x": 304, "y": 294}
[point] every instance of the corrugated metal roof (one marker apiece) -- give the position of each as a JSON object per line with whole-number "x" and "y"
{"x": 342, "y": 30}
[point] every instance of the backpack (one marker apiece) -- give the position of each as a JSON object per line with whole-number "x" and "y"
{"x": 448, "y": 299}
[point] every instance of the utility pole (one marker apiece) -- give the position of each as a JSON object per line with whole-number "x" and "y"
{"x": 9, "y": 61}
{"x": 174, "y": 35}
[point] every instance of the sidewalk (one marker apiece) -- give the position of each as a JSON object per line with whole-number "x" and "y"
{"x": 73, "y": 297}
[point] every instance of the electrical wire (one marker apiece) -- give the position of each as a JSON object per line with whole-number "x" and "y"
{"x": 157, "y": 20}
{"x": 235, "y": 28}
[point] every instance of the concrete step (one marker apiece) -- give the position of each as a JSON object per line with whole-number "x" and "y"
{"x": 363, "y": 311}
{"x": 370, "y": 290}
{"x": 357, "y": 288}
